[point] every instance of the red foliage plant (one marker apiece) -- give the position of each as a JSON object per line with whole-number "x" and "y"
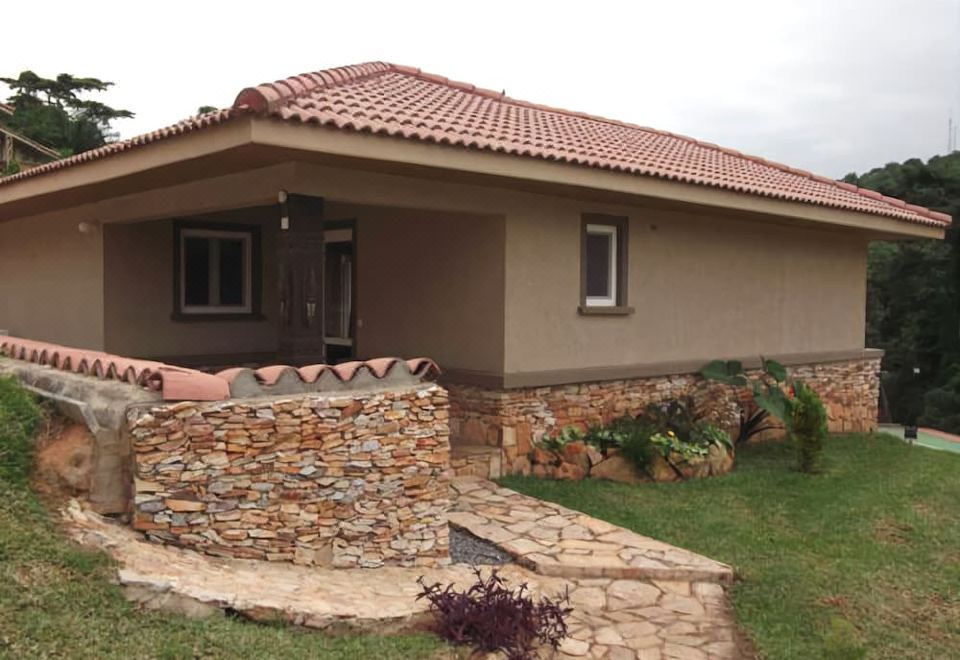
{"x": 492, "y": 617}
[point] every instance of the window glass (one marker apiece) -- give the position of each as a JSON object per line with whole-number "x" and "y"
{"x": 215, "y": 271}
{"x": 231, "y": 271}
{"x": 599, "y": 254}
{"x": 196, "y": 271}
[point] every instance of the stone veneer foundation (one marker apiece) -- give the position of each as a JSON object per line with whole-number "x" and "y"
{"x": 513, "y": 418}
{"x": 343, "y": 480}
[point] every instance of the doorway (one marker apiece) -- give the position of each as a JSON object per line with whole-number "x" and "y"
{"x": 339, "y": 238}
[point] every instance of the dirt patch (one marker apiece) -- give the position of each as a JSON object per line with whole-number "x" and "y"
{"x": 892, "y": 531}
{"x": 36, "y": 574}
{"x": 64, "y": 456}
{"x": 838, "y": 602}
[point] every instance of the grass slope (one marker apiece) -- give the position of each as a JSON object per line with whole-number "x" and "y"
{"x": 861, "y": 561}
{"x": 56, "y": 599}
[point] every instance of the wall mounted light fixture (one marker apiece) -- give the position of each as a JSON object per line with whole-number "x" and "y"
{"x": 284, "y": 212}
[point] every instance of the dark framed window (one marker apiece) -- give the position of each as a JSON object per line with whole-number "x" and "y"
{"x": 603, "y": 263}
{"x": 216, "y": 270}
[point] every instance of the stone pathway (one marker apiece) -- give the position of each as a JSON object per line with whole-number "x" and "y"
{"x": 633, "y": 597}
{"x": 553, "y": 540}
{"x": 163, "y": 577}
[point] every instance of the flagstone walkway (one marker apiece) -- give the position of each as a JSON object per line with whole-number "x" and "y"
{"x": 633, "y": 597}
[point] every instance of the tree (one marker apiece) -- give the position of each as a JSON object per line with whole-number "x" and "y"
{"x": 913, "y": 294}
{"x": 56, "y": 112}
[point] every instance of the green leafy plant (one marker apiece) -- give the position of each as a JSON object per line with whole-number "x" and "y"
{"x": 808, "y": 426}
{"x": 616, "y": 434}
{"x": 705, "y": 433}
{"x": 628, "y": 434}
{"x": 767, "y": 394}
{"x": 670, "y": 444}
{"x": 676, "y": 415}
{"x": 560, "y": 440}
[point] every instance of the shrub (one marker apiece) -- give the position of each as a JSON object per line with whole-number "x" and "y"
{"x": 491, "y": 617}
{"x": 841, "y": 641}
{"x": 808, "y": 426}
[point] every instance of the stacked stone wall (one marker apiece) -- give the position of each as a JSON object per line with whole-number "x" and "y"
{"x": 359, "y": 480}
{"x": 513, "y": 419}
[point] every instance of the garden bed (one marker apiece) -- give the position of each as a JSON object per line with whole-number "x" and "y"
{"x": 670, "y": 441}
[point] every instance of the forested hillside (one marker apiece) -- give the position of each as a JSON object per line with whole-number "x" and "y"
{"x": 913, "y": 297}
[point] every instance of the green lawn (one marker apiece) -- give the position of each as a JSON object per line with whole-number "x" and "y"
{"x": 56, "y": 599}
{"x": 861, "y": 561}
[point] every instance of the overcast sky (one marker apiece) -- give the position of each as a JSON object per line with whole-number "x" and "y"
{"x": 827, "y": 85}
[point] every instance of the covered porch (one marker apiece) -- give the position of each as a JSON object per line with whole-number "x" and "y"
{"x": 305, "y": 280}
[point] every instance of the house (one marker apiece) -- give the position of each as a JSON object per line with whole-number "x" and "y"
{"x": 20, "y": 151}
{"x": 559, "y": 267}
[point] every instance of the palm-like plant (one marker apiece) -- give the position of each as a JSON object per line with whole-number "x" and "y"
{"x": 768, "y": 398}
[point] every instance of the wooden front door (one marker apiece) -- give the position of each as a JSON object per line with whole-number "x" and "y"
{"x": 300, "y": 256}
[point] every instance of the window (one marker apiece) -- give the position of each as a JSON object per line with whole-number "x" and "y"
{"x": 603, "y": 263}
{"x": 215, "y": 267}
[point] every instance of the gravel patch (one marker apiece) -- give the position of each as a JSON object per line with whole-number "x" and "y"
{"x": 465, "y": 548}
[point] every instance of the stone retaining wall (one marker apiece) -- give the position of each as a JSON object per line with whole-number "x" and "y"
{"x": 512, "y": 419}
{"x": 359, "y": 480}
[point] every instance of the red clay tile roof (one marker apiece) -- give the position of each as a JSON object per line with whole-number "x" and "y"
{"x": 173, "y": 383}
{"x": 181, "y": 384}
{"x": 388, "y": 99}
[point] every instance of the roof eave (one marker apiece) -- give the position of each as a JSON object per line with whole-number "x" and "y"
{"x": 398, "y": 151}
{"x": 251, "y": 130}
{"x": 138, "y": 160}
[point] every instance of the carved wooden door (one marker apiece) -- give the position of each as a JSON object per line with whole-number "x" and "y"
{"x": 300, "y": 277}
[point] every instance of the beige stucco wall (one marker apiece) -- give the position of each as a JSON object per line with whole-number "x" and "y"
{"x": 702, "y": 287}
{"x": 436, "y": 258}
{"x": 50, "y": 281}
{"x": 138, "y": 294}
{"x": 429, "y": 283}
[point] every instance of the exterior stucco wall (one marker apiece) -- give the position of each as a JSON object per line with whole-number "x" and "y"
{"x": 51, "y": 281}
{"x": 429, "y": 283}
{"x": 484, "y": 278}
{"x": 138, "y": 291}
{"x": 701, "y": 286}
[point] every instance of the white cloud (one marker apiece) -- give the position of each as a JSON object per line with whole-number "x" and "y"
{"x": 827, "y": 85}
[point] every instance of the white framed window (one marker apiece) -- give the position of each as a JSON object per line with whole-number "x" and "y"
{"x": 601, "y": 267}
{"x": 215, "y": 271}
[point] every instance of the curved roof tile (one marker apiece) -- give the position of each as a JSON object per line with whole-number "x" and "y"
{"x": 392, "y": 100}
{"x": 173, "y": 383}
{"x": 180, "y": 384}
{"x": 379, "y": 368}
